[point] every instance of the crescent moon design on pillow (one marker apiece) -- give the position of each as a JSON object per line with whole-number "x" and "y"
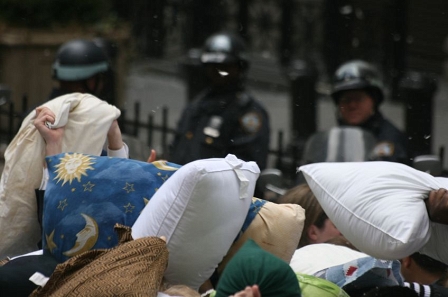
{"x": 86, "y": 238}
{"x": 162, "y": 165}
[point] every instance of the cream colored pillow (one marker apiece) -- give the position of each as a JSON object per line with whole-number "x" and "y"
{"x": 276, "y": 228}
{"x": 87, "y": 120}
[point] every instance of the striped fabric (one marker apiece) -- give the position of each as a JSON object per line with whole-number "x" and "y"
{"x": 422, "y": 290}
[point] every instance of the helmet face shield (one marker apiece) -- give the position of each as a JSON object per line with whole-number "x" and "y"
{"x": 79, "y": 60}
{"x": 217, "y": 58}
{"x": 75, "y": 73}
{"x": 225, "y": 48}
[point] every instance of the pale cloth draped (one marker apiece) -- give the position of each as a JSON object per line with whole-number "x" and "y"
{"x": 87, "y": 120}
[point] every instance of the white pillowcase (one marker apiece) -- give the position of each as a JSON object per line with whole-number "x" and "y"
{"x": 316, "y": 257}
{"x": 377, "y": 206}
{"x": 200, "y": 209}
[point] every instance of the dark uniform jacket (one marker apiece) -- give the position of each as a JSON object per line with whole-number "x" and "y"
{"x": 392, "y": 144}
{"x": 216, "y": 124}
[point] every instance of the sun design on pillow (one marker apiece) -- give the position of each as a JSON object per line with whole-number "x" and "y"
{"x": 73, "y": 166}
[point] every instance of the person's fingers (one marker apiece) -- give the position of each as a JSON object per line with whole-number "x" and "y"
{"x": 152, "y": 156}
{"x": 44, "y": 114}
{"x": 443, "y": 197}
{"x": 44, "y": 110}
{"x": 256, "y": 291}
{"x": 247, "y": 292}
{"x": 43, "y": 120}
{"x": 435, "y": 196}
{"x": 439, "y": 193}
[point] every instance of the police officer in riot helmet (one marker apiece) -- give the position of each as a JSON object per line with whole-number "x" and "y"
{"x": 80, "y": 66}
{"x": 224, "y": 118}
{"x": 358, "y": 92}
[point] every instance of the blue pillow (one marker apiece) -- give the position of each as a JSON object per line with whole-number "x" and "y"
{"x": 87, "y": 195}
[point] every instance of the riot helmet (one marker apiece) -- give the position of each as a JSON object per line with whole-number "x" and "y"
{"x": 225, "y": 48}
{"x": 356, "y": 75}
{"x": 78, "y": 60}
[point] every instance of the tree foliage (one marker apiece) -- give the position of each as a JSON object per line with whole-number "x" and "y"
{"x": 49, "y": 13}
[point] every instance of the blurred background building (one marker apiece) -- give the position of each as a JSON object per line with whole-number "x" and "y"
{"x": 295, "y": 46}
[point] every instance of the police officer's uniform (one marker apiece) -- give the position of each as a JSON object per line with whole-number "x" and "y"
{"x": 224, "y": 119}
{"x": 221, "y": 123}
{"x": 391, "y": 142}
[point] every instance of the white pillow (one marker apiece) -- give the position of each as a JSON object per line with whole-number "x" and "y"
{"x": 377, "y": 206}
{"x": 316, "y": 257}
{"x": 200, "y": 209}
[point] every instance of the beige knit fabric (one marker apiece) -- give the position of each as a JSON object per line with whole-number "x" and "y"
{"x": 133, "y": 268}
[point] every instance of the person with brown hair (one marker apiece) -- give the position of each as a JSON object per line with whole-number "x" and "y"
{"x": 318, "y": 228}
{"x": 422, "y": 269}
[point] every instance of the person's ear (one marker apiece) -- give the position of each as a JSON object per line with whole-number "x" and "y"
{"x": 406, "y": 262}
{"x": 313, "y": 233}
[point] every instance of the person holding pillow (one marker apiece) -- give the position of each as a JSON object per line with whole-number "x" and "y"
{"x": 53, "y": 137}
{"x": 18, "y": 271}
{"x": 422, "y": 269}
{"x": 318, "y": 228}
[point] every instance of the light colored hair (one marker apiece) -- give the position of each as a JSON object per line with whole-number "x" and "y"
{"x": 314, "y": 214}
{"x": 181, "y": 290}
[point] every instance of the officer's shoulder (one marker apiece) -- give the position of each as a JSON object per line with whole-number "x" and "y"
{"x": 199, "y": 97}
{"x": 252, "y": 114}
{"x": 243, "y": 98}
{"x": 391, "y": 128}
{"x": 247, "y": 101}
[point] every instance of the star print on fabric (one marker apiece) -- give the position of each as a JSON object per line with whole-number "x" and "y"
{"x": 128, "y": 208}
{"x": 88, "y": 187}
{"x": 145, "y": 200}
{"x": 129, "y": 188}
{"x": 62, "y": 204}
{"x": 164, "y": 178}
{"x": 73, "y": 189}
